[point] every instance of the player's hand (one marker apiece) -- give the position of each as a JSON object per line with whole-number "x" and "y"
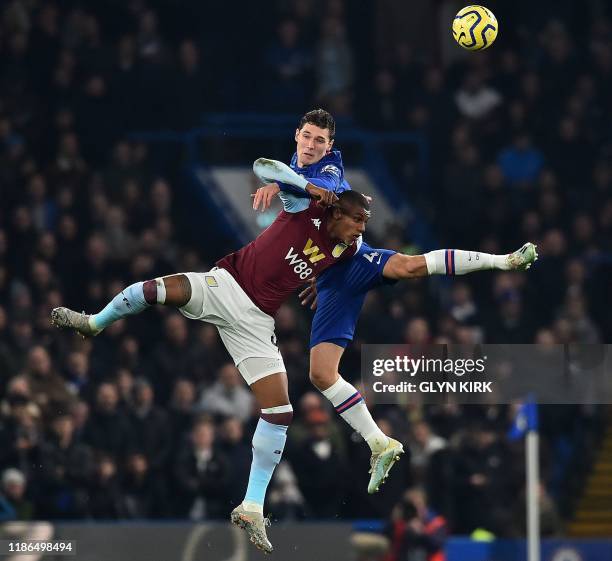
{"x": 264, "y": 195}
{"x": 323, "y": 196}
{"x": 309, "y": 294}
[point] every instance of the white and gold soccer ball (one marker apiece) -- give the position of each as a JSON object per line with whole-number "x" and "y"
{"x": 475, "y": 28}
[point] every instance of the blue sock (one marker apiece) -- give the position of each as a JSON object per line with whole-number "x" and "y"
{"x": 268, "y": 444}
{"x": 128, "y": 302}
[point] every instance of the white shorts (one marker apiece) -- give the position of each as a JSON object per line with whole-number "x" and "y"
{"x": 246, "y": 331}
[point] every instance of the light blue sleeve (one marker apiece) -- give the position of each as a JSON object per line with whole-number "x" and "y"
{"x": 292, "y": 203}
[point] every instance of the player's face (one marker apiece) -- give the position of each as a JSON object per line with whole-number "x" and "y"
{"x": 349, "y": 223}
{"x": 312, "y": 144}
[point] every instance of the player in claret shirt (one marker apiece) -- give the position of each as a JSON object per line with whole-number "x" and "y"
{"x": 241, "y": 294}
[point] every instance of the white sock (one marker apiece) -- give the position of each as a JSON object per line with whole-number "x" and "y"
{"x": 460, "y": 262}
{"x": 352, "y": 408}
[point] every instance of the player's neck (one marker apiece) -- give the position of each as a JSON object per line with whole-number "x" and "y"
{"x": 331, "y": 232}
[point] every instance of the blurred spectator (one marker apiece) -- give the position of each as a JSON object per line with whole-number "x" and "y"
{"x": 483, "y": 483}
{"x": 415, "y": 531}
{"x": 193, "y": 92}
{"x": 288, "y": 66}
{"x": 108, "y": 429}
{"x": 228, "y": 396}
{"x": 284, "y": 495}
{"x": 182, "y": 407}
{"x": 522, "y": 162}
{"x": 144, "y": 494}
{"x": 423, "y": 444}
{"x": 319, "y": 466}
{"x": 334, "y": 62}
{"x": 174, "y": 358}
{"x": 14, "y": 503}
{"x": 550, "y": 521}
{"x": 150, "y": 426}
{"x": 202, "y": 475}
{"x": 238, "y": 451}
{"x": 67, "y": 469}
{"x": 475, "y": 99}
{"x": 77, "y": 373}
{"x": 48, "y": 389}
{"x": 105, "y": 500}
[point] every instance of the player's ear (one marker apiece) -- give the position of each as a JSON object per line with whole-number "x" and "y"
{"x": 331, "y": 145}
{"x": 297, "y": 133}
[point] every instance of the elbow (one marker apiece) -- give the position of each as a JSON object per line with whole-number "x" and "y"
{"x": 415, "y": 267}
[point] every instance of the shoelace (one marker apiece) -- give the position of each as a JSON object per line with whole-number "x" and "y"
{"x": 372, "y": 462}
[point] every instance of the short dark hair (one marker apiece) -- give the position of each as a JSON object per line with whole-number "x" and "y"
{"x": 321, "y": 119}
{"x": 350, "y": 198}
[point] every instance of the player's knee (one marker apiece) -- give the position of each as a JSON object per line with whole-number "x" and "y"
{"x": 280, "y": 415}
{"x": 321, "y": 378}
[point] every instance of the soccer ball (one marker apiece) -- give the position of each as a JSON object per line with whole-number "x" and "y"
{"x": 475, "y": 28}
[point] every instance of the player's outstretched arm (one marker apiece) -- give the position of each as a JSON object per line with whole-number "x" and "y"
{"x": 457, "y": 262}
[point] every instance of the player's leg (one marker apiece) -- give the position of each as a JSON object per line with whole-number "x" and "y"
{"x": 270, "y": 435}
{"x": 173, "y": 290}
{"x": 461, "y": 262}
{"x": 271, "y": 392}
{"x": 457, "y": 262}
{"x": 350, "y": 405}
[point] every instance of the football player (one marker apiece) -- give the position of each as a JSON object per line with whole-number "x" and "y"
{"x": 241, "y": 294}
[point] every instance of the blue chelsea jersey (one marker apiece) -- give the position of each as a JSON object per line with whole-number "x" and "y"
{"x": 341, "y": 291}
{"x": 327, "y": 173}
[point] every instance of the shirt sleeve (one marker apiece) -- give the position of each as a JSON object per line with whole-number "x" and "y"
{"x": 329, "y": 177}
{"x": 293, "y": 203}
{"x": 368, "y": 273}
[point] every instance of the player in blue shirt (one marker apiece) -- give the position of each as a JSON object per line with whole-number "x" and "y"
{"x": 314, "y": 159}
{"x": 340, "y": 292}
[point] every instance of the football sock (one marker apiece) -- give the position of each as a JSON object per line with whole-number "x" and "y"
{"x": 131, "y": 300}
{"x": 460, "y": 262}
{"x": 352, "y": 408}
{"x": 268, "y": 445}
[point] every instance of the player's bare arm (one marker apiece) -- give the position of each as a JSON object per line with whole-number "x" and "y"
{"x": 400, "y": 266}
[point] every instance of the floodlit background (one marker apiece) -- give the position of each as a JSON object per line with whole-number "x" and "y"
{"x": 127, "y": 131}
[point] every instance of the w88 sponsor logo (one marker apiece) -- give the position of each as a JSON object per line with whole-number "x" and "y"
{"x": 300, "y": 267}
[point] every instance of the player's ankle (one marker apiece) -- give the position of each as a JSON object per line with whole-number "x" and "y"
{"x": 500, "y": 262}
{"x": 251, "y": 506}
{"x": 377, "y": 441}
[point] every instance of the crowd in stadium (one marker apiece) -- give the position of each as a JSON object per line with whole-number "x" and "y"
{"x": 151, "y": 419}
